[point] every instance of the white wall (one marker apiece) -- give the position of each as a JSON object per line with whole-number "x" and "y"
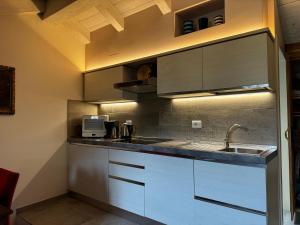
{"x": 32, "y": 142}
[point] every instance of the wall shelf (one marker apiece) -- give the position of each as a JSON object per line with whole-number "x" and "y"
{"x": 206, "y": 8}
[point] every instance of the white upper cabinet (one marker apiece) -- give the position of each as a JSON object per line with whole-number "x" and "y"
{"x": 180, "y": 72}
{"x": 242, "y": 62}
{"x": 230, "y": 65}
{"x": 99, "y": 85}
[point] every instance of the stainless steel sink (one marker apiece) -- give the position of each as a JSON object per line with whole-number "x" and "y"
{"x": 243, "y": 151}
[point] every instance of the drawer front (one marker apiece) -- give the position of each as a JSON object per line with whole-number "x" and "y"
{"x": 126, "y": 172}
{"x": 127, "y": 196}
{"x": 233, "y": 184}
{"x": 208, "y": 213}
{"x": 133, "y": 158}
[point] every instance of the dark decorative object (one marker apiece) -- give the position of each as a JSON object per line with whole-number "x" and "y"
{"x": 188, "y": 26}
{"x": 7, "y": 90}
{"x": 203, "y": 23}
{"x": 146, "y": 71}
{"x": 218, "y": 20}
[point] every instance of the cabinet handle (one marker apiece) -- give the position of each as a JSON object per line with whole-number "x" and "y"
{"x": 230, "y": 206}
{"x": 127, "y": 165}
{"x": 127, "y": 180}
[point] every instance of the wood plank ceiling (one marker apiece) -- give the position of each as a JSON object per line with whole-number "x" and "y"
{"x": 81, "y": 17}
{"x": 290, "y": 20}
{"x": 13, "y": 7}
{"x": 85, "y": 16}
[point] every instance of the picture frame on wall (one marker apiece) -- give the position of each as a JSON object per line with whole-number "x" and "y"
{"x": 7, "y": 90}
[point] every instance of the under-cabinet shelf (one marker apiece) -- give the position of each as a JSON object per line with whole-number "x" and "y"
{"x": 207, "y": 8}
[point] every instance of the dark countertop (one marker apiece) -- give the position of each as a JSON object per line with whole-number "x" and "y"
{"x": 208, "y": 151}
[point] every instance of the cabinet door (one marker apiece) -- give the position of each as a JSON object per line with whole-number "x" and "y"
{"x": 212, "y": 214}
{"x": 169, "y": 190}
{"x": 88, "y": 171}
{"x": 99, "y": 85}
{"x": 232, "y": 184}
{"x": 180, "y": 72}
{"x": 236, "y": 63}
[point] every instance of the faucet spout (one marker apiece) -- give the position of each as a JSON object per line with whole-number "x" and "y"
{"x": 229, "y": 132}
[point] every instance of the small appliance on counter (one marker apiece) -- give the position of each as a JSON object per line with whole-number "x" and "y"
{"x": 93, "y": 125}
{"x": 112, "y": 129}
{"x": 127, "y": 130}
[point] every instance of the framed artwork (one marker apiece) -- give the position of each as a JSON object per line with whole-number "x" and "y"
{"x": 7, "y": 90}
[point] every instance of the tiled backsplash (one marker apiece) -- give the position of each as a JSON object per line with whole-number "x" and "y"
{"x": 167, "y": 118}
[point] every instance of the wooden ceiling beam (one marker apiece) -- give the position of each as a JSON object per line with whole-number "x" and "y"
{"x": 65, "y": 10}
{"x": 165, "y": 6}
{"x": 82, "y": 34}
{"x": 68, "y": 9}
{"x": 111, "y": 14}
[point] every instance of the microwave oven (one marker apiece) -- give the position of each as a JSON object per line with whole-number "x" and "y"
{"x": 93, "y": 125}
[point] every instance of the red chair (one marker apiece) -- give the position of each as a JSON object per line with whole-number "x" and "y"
{"x": 8, "y": 183}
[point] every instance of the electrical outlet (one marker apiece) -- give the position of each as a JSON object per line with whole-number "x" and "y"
{"x": 129, "y": 122}
{"x": 196, "y": 124}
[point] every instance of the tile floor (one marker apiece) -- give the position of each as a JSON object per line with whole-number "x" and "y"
{"x": 69, "y": 211}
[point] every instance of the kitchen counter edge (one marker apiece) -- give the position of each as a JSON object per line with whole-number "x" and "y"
{"x": 212, "y": 156}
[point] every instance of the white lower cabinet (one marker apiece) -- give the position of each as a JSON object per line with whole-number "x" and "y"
{"x": 169, "y": 189}
{"x": 88, "y": 171}
{"x": 212, "y": 214}
{"x": 127, "y": 196}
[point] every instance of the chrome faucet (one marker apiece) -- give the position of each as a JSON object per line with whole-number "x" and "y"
{"x": 230, "y": 130}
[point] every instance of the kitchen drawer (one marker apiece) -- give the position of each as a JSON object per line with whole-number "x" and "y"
{"x": 233, "y": 184}
{"x": 132, "y": 158}
{"x": 126, "y": 172}
{"x": 212, "y": 214}
{"x": 127, "y": 196}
